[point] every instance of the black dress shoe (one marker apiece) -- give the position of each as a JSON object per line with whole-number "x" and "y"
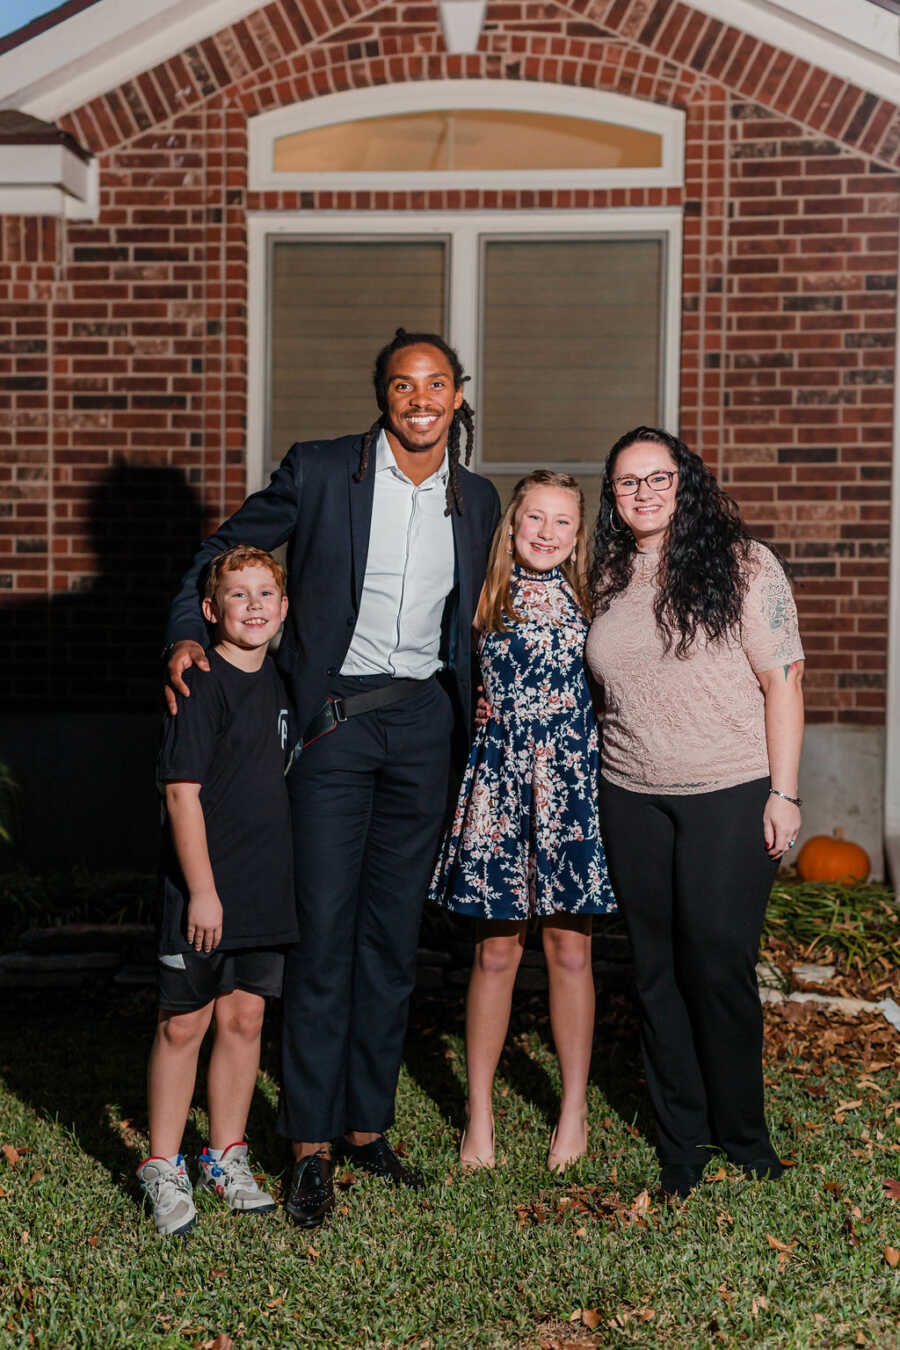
{"x": 679, "y": 1179}
{"x": 764, "y": 1169}
{"x": 311, "y": 1196}
{"x": 380, "y": 1159}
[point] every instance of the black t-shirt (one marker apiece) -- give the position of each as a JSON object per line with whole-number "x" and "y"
{"x": 232, "y": 737}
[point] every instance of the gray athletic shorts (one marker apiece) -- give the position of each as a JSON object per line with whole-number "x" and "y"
{"x": 189, "y": 981}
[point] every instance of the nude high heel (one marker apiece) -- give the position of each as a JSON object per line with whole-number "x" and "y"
{"x": 470, "y": 1162}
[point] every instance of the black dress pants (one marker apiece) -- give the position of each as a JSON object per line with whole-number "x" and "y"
{"x": 368, "y": 801}
{"x": 692, "y": 878}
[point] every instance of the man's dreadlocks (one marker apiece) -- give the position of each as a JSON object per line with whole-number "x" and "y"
{"x": 463, "y": 417}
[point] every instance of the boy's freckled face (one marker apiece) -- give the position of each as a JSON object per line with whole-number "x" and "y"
{"x": 248, "y": 608}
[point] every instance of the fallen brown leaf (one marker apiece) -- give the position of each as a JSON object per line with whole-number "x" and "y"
{"x": 892, "y": 1256}
{"x": 11, "y": 1154}
{"x": 588, "y": 1317}
{"x": 640, "y": 1206}
{"x": 891, "y": 1189}
{"x": 780, "y": 1246}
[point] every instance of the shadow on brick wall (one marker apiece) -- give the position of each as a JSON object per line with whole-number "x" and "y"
{"x": 81, "y": 686}
{"x": 97, "y": 646}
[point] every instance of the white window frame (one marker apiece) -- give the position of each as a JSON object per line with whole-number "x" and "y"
{"x": 444, "y": 95}
{"x": 466, "y": 231}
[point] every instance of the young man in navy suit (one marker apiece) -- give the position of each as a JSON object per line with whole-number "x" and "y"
{"x": 388, "y": 537}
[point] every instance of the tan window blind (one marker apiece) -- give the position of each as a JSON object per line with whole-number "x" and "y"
{"x": 333, "y": 306}
{"x": 571, "y": 347}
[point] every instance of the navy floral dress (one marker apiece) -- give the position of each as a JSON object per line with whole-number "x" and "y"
{"x": 525, "y": 838}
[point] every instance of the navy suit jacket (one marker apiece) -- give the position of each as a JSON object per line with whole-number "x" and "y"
{"x": 313, "y": 504}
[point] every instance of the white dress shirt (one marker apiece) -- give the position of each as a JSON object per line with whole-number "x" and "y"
{"x": 409, "y": 574}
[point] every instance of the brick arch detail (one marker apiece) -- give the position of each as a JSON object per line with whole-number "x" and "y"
{"x": 280, "y": 54}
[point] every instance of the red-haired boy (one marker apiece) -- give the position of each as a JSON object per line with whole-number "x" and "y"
{"x": 227, "y": 892}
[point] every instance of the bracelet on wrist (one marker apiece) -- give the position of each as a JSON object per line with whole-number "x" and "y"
{"x": 797, "y": 801}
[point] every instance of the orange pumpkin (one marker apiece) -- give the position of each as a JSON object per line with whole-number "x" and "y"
{"x": 833, "y": 858}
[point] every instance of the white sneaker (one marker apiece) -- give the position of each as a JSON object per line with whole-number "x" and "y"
{"x": 229, "y": 1177}
{"x": 170, "y": 1194}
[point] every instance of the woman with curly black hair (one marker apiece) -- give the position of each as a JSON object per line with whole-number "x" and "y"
{"x": 695, "y": 642}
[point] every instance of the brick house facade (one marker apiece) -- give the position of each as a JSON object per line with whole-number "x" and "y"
{"x": 124, "y": 347}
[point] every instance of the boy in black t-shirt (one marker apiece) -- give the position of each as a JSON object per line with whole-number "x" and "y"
{"x": 228, "y": 901}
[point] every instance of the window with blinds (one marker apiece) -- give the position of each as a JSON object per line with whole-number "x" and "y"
{"x": 571, "y": 348}
{"x": 333, "y": 305}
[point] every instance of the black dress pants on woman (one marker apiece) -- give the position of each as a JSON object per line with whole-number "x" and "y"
{"x": 692, "y": 878}
{"x": 367, "y": 804}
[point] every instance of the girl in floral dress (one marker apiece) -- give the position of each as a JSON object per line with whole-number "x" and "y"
{"x": 525, "y": 842}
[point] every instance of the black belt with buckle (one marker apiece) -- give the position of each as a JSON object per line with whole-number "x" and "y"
{"x": 334, "y": 711}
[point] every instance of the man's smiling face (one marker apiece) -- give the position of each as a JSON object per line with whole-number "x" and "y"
{"x": 421, "y": 397}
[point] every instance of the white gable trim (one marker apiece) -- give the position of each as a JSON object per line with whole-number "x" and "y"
{"x": 102, "y": 47}
{"x": 518, "y": 95}
{"x": 854, "y": 39}
{"x": 114, "y": 40}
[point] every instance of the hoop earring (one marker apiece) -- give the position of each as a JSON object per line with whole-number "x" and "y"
{"x": 509, "y": 542}
{"x": 574, "y": 554}
{"x": 615, "y": 522}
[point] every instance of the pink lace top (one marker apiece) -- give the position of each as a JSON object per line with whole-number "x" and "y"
{"x": 695, "y": 723}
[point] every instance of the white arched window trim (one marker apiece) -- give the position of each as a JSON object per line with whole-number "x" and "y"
{"x": 440, "y": 95}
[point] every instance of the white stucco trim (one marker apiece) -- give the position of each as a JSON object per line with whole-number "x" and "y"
{"x": 104, "y": 45}
{"x": 851, "y": 38}
{"x": 892, "y": 728}
{"x": 465, "y": 230}
{"x": 461, "y": 22}
{"x": 511, "y": 95}
{"x": 114, "y": 40}
{"x": 48, "y": 180}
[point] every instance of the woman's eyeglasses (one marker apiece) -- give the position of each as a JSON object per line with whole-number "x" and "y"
{"x": 660, "y": 480}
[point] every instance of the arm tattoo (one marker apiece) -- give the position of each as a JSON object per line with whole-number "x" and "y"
{"x": 788, "y": 668}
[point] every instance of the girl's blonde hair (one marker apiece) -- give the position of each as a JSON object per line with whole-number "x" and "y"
{"x": 495, "y": 606}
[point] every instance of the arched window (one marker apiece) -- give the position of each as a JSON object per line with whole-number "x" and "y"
{"x": 467, "y": 133}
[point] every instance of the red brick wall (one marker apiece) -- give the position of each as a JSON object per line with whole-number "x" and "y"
{"x": 123, "y": 342}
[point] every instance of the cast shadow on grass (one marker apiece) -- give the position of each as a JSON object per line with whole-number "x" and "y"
{"x": 81, "y": 1060}
{"x": 616, "y": 1068}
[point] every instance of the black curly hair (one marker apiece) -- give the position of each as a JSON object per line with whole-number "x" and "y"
{"x": 703, "y": 577}
{"x": 463, "y": 417}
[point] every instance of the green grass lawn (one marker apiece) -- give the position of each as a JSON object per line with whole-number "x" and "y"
{"x": 513, "y": 1258}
